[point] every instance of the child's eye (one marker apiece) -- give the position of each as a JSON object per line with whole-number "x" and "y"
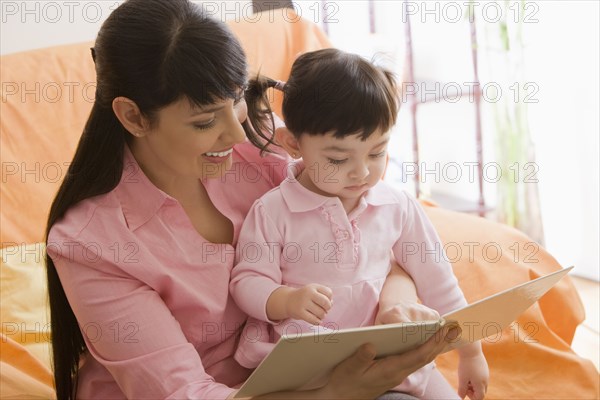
{"x": 336, "y": 162}
{"x": 383, "y": 153}
{"x": 207, "y": 125}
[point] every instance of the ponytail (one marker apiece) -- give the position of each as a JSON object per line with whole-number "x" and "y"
{"x": 260, "y": 115}
{"x": 96, "y": 169}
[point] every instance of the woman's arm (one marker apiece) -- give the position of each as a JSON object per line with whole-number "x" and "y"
{"x": 398, "y": 299}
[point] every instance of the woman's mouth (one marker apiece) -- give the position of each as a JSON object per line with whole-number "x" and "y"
{"x": 218, "y": 156}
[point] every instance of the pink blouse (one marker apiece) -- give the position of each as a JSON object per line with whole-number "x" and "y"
{"x": 150, "y": 294}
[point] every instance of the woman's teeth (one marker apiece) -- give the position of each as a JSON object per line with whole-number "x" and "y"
{"x": 219, "y": 154}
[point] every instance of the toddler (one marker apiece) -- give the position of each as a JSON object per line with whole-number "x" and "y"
{"x": 315, "y": 251}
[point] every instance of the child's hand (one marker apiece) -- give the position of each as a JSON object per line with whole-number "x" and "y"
{"x": 473, "y": 376}
{"x": 405, "y": 311}
{"x": 309, "y": 303}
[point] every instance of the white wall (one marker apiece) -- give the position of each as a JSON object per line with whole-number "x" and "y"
{"x": 30, "y": 25}
{"x": 27, "y": 25}
{"x": 562, "y": 39}
{"x": 562, "y": 58}
{"x": 561, "y": 61}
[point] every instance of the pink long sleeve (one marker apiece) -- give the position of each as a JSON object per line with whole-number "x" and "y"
{"x": 130, "y": 331}
{"x": 258, "y": 263}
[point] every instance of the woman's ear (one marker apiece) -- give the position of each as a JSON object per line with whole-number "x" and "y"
{"x": 288, "y": 141}
{"x": 128, "y": 113}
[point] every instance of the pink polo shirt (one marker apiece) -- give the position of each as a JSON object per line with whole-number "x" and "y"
{"x": 293, "y": 236}
{"x": 150, "y": 294}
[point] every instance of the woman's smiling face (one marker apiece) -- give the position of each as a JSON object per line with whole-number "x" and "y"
{"x": 189, "y": 141}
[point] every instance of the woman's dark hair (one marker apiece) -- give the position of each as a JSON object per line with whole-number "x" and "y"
{"x": 153, "y": 52}
{"x": 331, "y": 91}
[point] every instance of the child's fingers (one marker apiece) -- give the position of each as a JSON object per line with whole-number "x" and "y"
{"x": 324, "y": 290}
{"x": 316, "y": 310}
{"x": 322, "y": 301}
{"x": 311, "y": 318}
{"x": 479, "y": 390}
{"x": 463, "y": 387}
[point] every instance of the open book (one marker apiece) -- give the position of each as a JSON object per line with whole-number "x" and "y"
{"x": 303, "y": 361}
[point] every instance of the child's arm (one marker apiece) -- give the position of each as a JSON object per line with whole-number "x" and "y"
{"x": 473, "y": 372}
{"x": 256, "y": 274}
{"x": 398, "y": 300}
{"x": 309, "y": 303}
{"x": 257, "y": 282}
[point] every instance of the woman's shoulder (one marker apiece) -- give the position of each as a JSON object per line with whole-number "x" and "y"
{"x": 271, "y": 165}
{"x": 89, "y": 220}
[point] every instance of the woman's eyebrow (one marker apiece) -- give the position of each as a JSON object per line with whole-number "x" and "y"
{"x": 198, "y": 111}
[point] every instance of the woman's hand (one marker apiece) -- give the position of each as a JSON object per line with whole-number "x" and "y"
{"x": 405, "y": 311}
{"x": 362, "y": 377}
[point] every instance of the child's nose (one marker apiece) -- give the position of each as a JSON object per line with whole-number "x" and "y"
{"x": 359, "y": 172}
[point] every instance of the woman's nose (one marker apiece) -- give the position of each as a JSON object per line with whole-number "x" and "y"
{"x": 234, "y": 131}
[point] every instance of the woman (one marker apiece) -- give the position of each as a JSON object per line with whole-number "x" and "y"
{"x": 140, "y": 235}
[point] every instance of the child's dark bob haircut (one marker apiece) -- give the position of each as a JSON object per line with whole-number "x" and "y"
{"x": 331, "y": 91}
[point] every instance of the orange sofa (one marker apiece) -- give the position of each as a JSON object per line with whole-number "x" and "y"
{"x": 46, "y": 97}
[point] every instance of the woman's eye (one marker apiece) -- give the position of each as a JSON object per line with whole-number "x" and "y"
{"x": 336, "y": 162}
{"x": 207, "y": 125}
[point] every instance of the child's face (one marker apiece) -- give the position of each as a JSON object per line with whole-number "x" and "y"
{"x": 345, "y": 167}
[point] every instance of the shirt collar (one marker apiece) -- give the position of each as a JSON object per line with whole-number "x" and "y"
{"x": 297, "y": 197}
{"x": 381, "y": 195}
{"x": 300, "y": 199}
{"x": 140, "y": 198}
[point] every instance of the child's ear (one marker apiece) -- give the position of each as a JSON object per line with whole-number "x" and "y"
{"x": 288, "y": 141}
